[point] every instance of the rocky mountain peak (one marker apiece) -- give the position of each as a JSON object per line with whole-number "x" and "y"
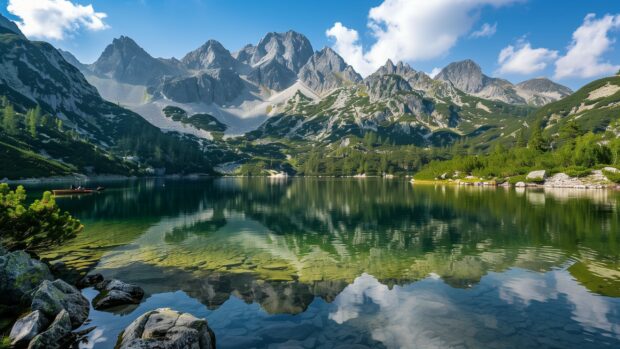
{"x": 6, "y": 25}
{"x": 544, "y": 85}
{"x": 465, "y": 75}
{"x": 125, "y": 61}
{"x": 291, "y": 49}
{"x": 209, "y": 56}
{"x": 326, "y": 70}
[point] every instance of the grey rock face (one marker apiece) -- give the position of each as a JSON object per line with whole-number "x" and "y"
{"x": 19, "y": 275}
{"x": 27, "y": 327}
{"x": 292, "y": 49}
{"x": 212, "y": 86}
{"x": 274, "y": 75}
{"x": 125, "y": 61}
{"x": 385, "y": 86}
{"x": 54, "y": 335}
{"x": 115, "y": 293}
{"x": 465, "y": 75}
{"x": 53, "y": 297}
{"x": 541, "y": 91}
{"x": 70, "y": 58}
{"x": 211, "y": 55}
{"x": 165, "y": 328}
{"x": 277, "y": 59}
{"x": 9, "y": 26}
{"x": 326, "y": 70}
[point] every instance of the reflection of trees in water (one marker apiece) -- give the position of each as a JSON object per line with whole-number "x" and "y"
{"x": 336, "y": 229}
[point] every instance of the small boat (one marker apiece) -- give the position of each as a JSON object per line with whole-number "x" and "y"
{"x": 76, "y": 191}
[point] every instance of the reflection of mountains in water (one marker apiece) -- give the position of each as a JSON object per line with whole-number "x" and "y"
{"x": 283, "y": 243}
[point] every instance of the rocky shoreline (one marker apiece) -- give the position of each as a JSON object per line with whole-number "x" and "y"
{"x": 52, "y": 309}
{"x": 596, "y": 179}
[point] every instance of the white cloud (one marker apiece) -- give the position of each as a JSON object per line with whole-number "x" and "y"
{"x": 409, "y": 30}
{"x": 523, "y": 59}
{"x": 434, "y": 72}
{"x": 53, "y": 19}
{"x": 590, "y": 42}
{"x": 485, "y": 31}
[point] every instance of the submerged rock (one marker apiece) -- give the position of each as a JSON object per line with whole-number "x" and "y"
{"x": 165, "y": 328}
{"x": 19, "y": 275}
{"x": 27, "y": 327}
{"x": 54, "y": 335}
{"x": 90, "y": 280}
{"x": 116, "y": 292}
{"x": 51, "y": 298}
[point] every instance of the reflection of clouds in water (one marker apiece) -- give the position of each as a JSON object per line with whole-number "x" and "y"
{"x": 403, "y": 318}
{"x": 430, "y": 314}
{"x": 590, "y": 310}
{"x": 527, "y": 287}
{"x": 94, "y": 338}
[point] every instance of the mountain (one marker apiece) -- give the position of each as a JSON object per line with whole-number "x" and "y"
{"x": 541, "y": 91}
{"x": 211, "y": 86}
{"x": 326, "y": 71}
{"x": 277, "y": 59}
{"x": 594, "y": 107}
{"x": 211, "y": 55}
{"x": 125, "y": 61}
{"x": 467, "y": 76}
{"x": 76, "y": 130}
{"x": 9, "y": 27}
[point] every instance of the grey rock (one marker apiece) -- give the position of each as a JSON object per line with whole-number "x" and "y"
{"x": 211, "y": 55}
{"x": 273, "y": 74}
{"x": 385, "y": 86}
{"x": 165, "y": 328}
{"x": 55, "y": 335}
{"x": 217, "y": 86}
{"x": 537, "y": 175}
{"x": 52, "y": 297}
{"x": 90, "y": 280}
{"x": 115, "y": 293}
{"x": 541, "y": 91}
{"x": 19, "y": 275}
{"x": 71, "y": 59}
{"x": 27, "y": 327}
{"x": 326, "y": 71}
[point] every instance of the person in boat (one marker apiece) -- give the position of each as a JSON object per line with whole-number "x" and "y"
{"x": 72, "y": 187}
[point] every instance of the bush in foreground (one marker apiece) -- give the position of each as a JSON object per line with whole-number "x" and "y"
{"x": 36, "y": 226}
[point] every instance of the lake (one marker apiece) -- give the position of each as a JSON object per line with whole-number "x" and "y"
{"x": 355, "y": 263}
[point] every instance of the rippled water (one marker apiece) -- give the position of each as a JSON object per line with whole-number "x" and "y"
{"x": 372, "y": 263}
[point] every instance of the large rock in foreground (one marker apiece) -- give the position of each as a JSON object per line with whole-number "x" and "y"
{"x": 165, "y": 328}
{"x": 19, "y": 275}
{"x": 27, "y": 327}
{"x": 55, "y": 335}
{"x": 52, "y": 297}
{"x": 115, "y": 293}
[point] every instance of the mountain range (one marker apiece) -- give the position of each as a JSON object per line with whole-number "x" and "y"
{"x": 268, "y": 102}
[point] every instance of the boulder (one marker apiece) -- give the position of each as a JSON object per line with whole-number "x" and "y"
{"x": 116, "y": 292}
{"x": 27, "y": 327}
{"x": 55, "y": 335}
{"x": 52, "y": 297}
{"x": 89, "y": 280}
{"x": 520, "y": 185}
{"x": 611, "y": 169}
{"x": 539, "y": 175}
{"x": 19, "y": 275}
{"x": 165, "y": 328}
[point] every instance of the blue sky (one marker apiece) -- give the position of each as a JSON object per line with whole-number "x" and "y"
{"x": 427, "y": 36}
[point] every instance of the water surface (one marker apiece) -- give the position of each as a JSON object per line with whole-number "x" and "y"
{"x": 358, "y": 262}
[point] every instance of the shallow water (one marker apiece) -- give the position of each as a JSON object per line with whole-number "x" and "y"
{"x": 358, "y": 262}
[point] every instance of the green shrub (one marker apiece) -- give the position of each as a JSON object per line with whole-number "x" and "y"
{"x": 516, "y": 179}
{"x": 577, "y": 171}
{"x": 612, "y": 176}
{"x": 37, "y": 226}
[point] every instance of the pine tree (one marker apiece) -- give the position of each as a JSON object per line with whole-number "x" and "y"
{"x": 9, "y": 120}
{"x": 521, "y": 141}
{"x": 32, "y": 120}
{"x": 537, "y": 141}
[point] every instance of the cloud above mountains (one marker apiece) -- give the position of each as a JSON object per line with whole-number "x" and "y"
{"x": 523, "y": 59}
{"x": 411, "y": 30}
{"x": 54, "y": 19}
